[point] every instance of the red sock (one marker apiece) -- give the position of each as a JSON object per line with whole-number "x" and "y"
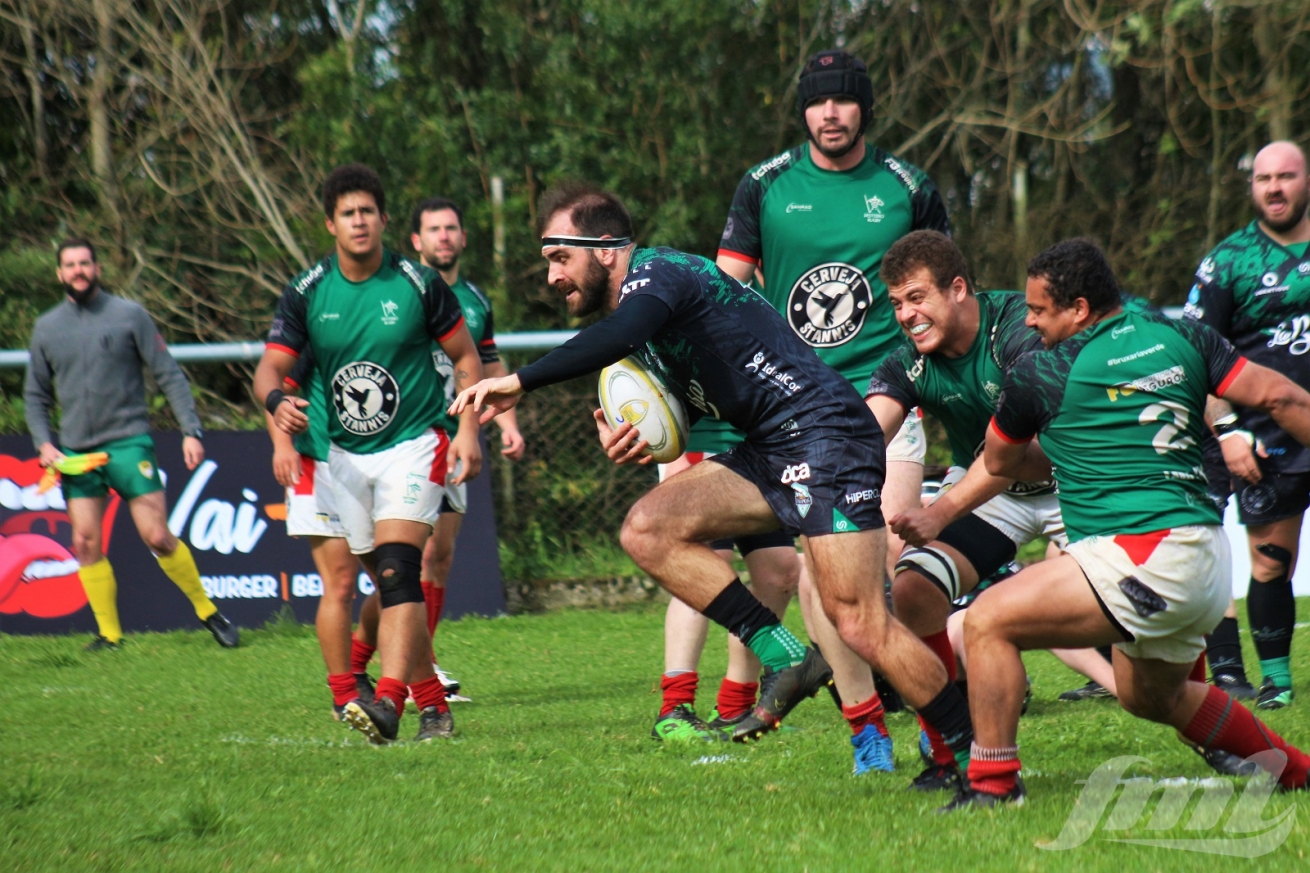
{"x": 394, "y": 689}
{"x": 993, "y": 776}
{"x": 434, "y": 599}
{"x": 1223, "y": 723}
{"x": 429, "y": 692}
{"x": 940, "y": 643}
{"x": 869, "y": 712}
{"x": 360, "y": 653}
{"x": 735, "y": 698}
{"x": 343, "y": 688}
{"x": 1198, "y": 670}
{"x": 678, "y": 690}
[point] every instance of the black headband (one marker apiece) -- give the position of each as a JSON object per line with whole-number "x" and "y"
{"x": 585, "y": 242}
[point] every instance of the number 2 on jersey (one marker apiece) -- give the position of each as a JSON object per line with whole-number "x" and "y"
{"x": 1167, "y": 438}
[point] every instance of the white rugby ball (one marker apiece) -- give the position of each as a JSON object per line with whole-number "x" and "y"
{"x": 632, "y": 392}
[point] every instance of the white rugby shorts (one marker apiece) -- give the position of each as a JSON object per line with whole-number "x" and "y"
{"x": 404, "y": 482}
{"x": 311, "y": 505}
{"x": 1022, "y": 518}
{"x": 457, "y": 496}
{"x": 1166, "y": 589}
{"x": 908, "y": 444}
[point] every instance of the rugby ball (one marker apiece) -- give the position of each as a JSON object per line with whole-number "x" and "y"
{"x": 630, "y": 391}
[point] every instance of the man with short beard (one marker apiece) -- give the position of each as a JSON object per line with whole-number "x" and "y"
{"x": 1254, "y": 289}
{"x": 94, "y": 345}
{"x": 815, "y": 221}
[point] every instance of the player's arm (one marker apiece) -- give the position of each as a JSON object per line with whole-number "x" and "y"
{"x": 1010, "y": 449}
{"x": 286, "y": 460}
{"x": 1262, "y": 388}
{"x": 918, "y": 527}
{"x": 287, "y": 338}
{"x": 889, "y": 412}
{"x": 740, "y": 249}
{"x": 154, "y": 352}
{"x": 38, "y": 401}
{"x": 511, "y": 438}
{"x": 742, "y": 271}
{"x": 1013, "y": 459}
{"x": 464, "y": 446}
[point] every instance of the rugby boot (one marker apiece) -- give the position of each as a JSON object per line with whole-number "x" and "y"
{"x": 225, "y": 633}
{"x": 102, "y": 644}
{"x": 682, "y": 725}
{"x": 873, "y": 751}
{"x": 1223, "y": 763}
{"x": 1093, "y": 690}
{"x": 378, "y": 720}
{"x": 1235, "y": 685}
{"x": 937, "y": 777}
{"x": 1273, "y": 696}
{"x": 925, "y": 749}
{"x": 780, "y": 692}
{"x": 433, "y": 724}
{"x": 452, "y": 686}
{"x": 364, "y": 685}
{"x": 971, "y": 798}
{"x": 724, "y": 725}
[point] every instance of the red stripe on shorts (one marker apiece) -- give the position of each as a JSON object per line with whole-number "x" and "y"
{"x": 1140, "y": 547}
{"x": 305, "y": 487}
{"x": 439, "y": 470}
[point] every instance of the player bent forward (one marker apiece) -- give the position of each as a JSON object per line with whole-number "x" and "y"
{"x": 811, "y": 461}
{"x": 1117, "y": 398}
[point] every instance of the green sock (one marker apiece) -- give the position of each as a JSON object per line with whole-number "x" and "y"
{"x": 962, "y": 761}
{"x": 776, "y": 647}
{"x": 1278, "y": 671}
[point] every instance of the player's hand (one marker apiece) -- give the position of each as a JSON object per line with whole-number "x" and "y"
{"x": 193, "y": 452}
{"x": 917, "y": 527}
{"x": 622, "y": 444}
{"x": 286, "y": 466}
{"x": 289, "y": 418}
{"x": 1240, "y": 457}
{"x": 489, "y": 398}
{"x": 512, "y": 444}
{"x": 50, "y": 455}
{"x": 465, "y": 455}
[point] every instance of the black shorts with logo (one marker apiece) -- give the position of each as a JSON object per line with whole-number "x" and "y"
{"x": 1275, "y": 497}
{"x": 824, "y": 481}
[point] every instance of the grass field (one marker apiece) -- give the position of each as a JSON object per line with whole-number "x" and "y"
{"x": 174, "y": 754}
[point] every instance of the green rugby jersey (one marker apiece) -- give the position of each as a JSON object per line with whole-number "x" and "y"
{"x": 476, "y": 307}
{"x": 312, "y": 442}
{"x": 1256, "y": 293}
{"x": 1118, "y": 408}
{"x": 819, "y": 237}
{"x": 961, "y": 392}
{"x": 372, "y": 343}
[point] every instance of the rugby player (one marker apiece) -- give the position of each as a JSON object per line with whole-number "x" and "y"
{"x": 91, "y": 349}
{"x": 816, "y": 221}
{"x": 1254, "y": 289}
{"x": 369, "y": 317}
{"x": 1117, "y": 398}
{"x": 811, "y": 462}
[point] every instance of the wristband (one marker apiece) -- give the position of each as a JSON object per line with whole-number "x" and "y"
{"x": 1226, "y": 424}
{"x": 274, "y": 400}
{"x": 1237, "y": 432}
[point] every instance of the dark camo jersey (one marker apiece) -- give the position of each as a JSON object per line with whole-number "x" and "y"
{"x": 1256, "y": 293}
{"x": 1119, "y": 409}
{"x": 819, "y": 237}
{"x": 476, "y": 307}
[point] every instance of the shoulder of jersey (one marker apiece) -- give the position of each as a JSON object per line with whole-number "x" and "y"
{"x": 311, "y": 277}
{"x": 1229, "y": 249}
{"x": 419, "y": 276}
{"x": 766, "y": 172}
{"x": 477, "y": 292}
{"x": 910, "y": 176}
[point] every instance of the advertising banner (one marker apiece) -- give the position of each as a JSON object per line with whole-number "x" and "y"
{"x": 231, "y": 512}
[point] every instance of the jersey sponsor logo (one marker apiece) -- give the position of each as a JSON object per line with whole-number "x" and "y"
{"x": 799, "y": 207}
{"x": 310, "y": 278}
{"x": 1114, "y": 362}
{"x": 789, "y": 426}
{"x": 762, "y": 367}
{"x": 1269, "y": 280}
{"x": 828, "y": 304}
{"x": 329, "y": 316}
{"x": 1173, "y": 376}
{"x": 795, "y": 473}
{"x": 772, "y": 164}
{"x": 1122, "y": 331}
{"x": 916, "y": 371}
{"x": 365, "y": 396}
{"x": 629, "y": 287}
{"x": 803, "y": 499}
{"x": 904, "y": 174}
{"x": 861, "y": 496}
{"x": 1304, "y": 268}
{"x": 389, "y": 310}
{"x": 146, "y": 469}
{"x": 696, "y": 396}
{"x": 952, "y": 398}
{"x": 728, "y": 229}
{"x": 873, "y": 205}
{"x": 992, "y": 390}
{"x": 1205, "y": 272}
{"x": 1194, "y": 296}
{"x": 1295, "y": 336}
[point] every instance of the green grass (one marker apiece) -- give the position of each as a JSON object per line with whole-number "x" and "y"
{"x": 174, "y": 754}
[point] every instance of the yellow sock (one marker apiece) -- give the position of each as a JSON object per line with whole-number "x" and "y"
{"x": 102, "y": 593}
{"x": 181, "y": 568}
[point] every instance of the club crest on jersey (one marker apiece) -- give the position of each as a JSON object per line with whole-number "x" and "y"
{"x": 873, "y": 205}
{"x": 828, "y": 304}
{"x": 365, "y": 396}
{"x": 389, "y": 310}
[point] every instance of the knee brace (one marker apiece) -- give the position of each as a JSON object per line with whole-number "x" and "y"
{"x": 935, "y": 565}
{"x": 399, "y": 567}
{"x": 1279, "y": 554}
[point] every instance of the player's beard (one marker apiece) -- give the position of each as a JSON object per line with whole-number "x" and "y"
{"x": 444, "y": 261}
{"x": 81, "y": 297}
{"x": 1295, "y": 213}
{"x": 834, "y": 153}
{"x": 593, "y": 290}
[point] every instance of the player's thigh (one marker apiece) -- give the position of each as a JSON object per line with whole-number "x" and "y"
{"x": 703, "y": 503}
{"x": 337, "y": 567}
{"x": 440, "y": 547}
{"x": 150, "y": 515}
{"x": 1046, "y": 605}
{"x": 774, "y": 568}
{"x": 846, "y": 568}
{"x": 85, "y": 516}
{"x": 402, "y": 530}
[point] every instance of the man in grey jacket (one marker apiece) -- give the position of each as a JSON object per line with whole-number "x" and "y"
{"x": 94, "y": 345}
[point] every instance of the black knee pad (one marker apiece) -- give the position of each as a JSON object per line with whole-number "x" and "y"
{"x": 399, "y": 569}
{"x": 1279, "y": 554}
